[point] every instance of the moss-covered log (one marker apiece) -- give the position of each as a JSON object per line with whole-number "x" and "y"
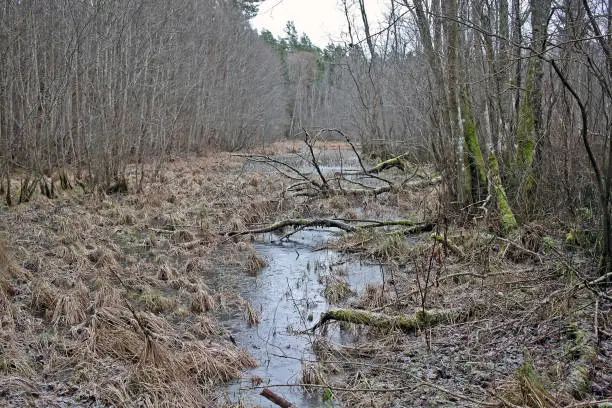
{"x": 507, "y": 218}
{"x": 583, "y": 353}
{"x": 387, "y": 164}
{"x": 420, "y": 319}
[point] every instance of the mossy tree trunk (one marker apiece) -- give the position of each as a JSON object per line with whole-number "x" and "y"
{"x": 477, "y": 171}
{"x": 530, "y": 128}
{"x": 525, "y": 133}
{"x": 507, "y": 219}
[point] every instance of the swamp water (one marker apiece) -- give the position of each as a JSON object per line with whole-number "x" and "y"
{"x": 288, "y": 294}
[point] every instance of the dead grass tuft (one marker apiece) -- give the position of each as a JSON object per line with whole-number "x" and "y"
{"x": 337, "y": 289}
{"x": 214, "y": 361}
{"x": 526, "y": 388}
{"x": 102, "y": 257}
{"x": 390, "y": 246}
{"x": 8, "y": 268}
{"x": 182, "y": 237}
{"x": 44, "y": 298}
{"x": 196, "y": 266}
{"x": 251, "y": 315}
{"x": 374, "y": 296}
{"x": 255, "y": 263}
{"x": 69, "y": 310}
{"x": 204, "y": 327}
{"x": 313, "y": 373}
{"x": 155, "y": 301}
{"x": 202, "y": 300}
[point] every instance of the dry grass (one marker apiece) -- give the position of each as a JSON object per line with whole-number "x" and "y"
{"x": 114, "y": 302}
{"x": 336, "y": 289}
{"x": 374, "y": 296}
{"x": 251, "y": 315}
{"x": 114, "y": 297}
{"x": 203, "y": 300}
{"x": 313, "y": 373}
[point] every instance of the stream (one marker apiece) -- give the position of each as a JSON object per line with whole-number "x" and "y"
{"x": 288, "y": 293}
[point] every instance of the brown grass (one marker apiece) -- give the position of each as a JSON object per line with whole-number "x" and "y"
{"x": 203, "y": 300}
{"x": 114, "y": 298}
{"x": 374, "y": 296}
{"x": 336, "y": 289}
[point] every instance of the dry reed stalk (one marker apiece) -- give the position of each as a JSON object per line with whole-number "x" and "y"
{"x": 251, "y": 315}
{"x": 202, "y": 300}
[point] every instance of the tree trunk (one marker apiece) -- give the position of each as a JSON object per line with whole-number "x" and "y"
{"x": 507, "y": 219}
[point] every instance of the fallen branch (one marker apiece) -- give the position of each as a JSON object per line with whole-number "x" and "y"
{"x": 390, "y": 163}
{"x": 298, "y": 223}
{"x": 275, "y": 398}
{"x": 419, "y": 320}
{"x": 343, "y": 224}
{"x": 325, "y": 185}
{"x": 444, "y": 240}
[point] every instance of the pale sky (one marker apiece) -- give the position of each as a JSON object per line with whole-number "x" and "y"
{"x": 322, "y": 20}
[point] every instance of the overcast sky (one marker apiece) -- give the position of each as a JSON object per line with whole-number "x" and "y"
{"x": 322, "y": 20}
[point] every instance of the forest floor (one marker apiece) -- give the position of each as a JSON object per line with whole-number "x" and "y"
{"x": 105, "y": 299}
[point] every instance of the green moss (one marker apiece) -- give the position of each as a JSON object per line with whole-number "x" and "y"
{"x": 471, "y": 141}
{"x": 403, "y": 322}
{"x": 548, "y": 243}
{"x": 525, "y": 132}
{"x": 508, "y": 220}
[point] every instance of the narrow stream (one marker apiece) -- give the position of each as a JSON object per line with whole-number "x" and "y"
{"x": 288, "y": 293}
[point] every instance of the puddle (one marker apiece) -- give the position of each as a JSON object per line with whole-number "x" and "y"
{"x": 289, "y": 296}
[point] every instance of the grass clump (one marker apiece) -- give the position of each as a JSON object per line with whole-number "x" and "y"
{"x": 374, "y": 295}
{"x": 251, "y": 315}
{"x": 312, "y": 373}
{"x": 527, "y": 388}
{"x": 203, "y": 300}
{"x": 336, "y": 290}
{"x": 155, "y": 301}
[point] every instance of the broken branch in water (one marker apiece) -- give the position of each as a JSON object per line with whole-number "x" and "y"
{"x": 275, "y": 398}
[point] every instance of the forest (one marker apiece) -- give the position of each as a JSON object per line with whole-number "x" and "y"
{"x": 161, "y": 163}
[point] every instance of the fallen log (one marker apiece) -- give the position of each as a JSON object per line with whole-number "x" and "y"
{"x": 343, "y": 224}
{"x": 275, "y": 398}
{"x": 419, "y": 320}
{"x": 301, "y": 223}
{"x": 390, "y": 163}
